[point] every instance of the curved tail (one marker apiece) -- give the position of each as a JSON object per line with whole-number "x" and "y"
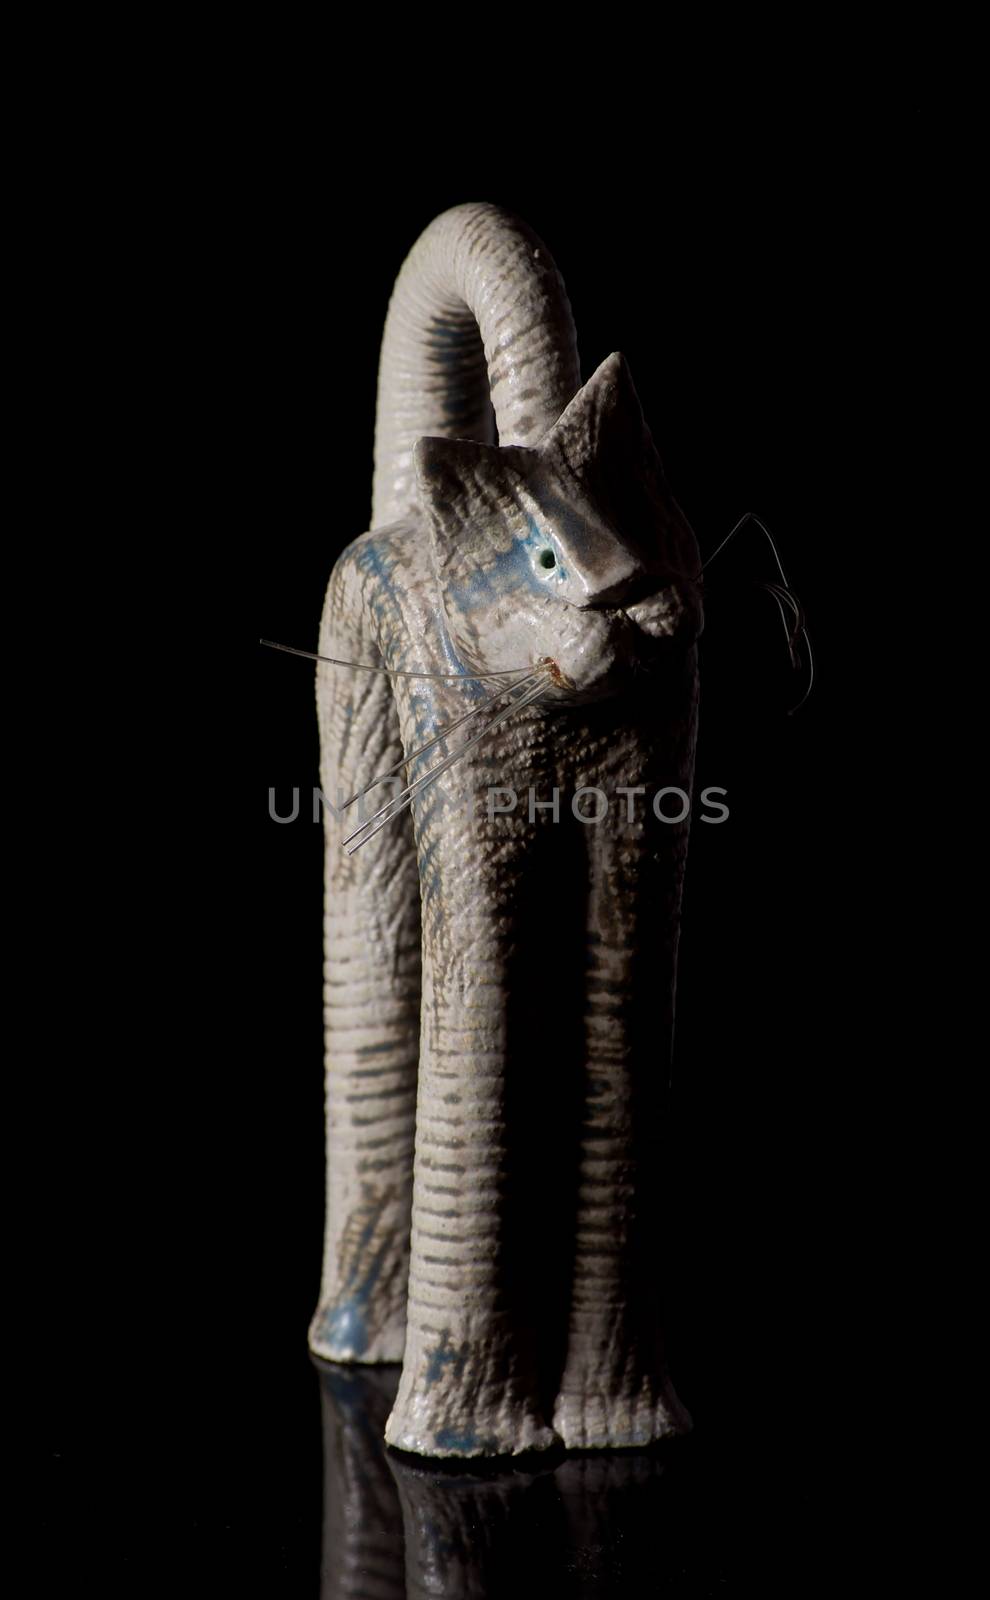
{"x": 479, "y": 343}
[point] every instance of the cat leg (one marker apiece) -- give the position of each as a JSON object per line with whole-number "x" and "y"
{"x": 467, "y": 1386}
{"x": 615, "y": 1390}
{"x": 371, "y": 1007}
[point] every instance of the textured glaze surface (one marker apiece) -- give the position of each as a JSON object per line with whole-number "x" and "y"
{"x": 479, "y": 331}
{"x": 452, "y": 1058}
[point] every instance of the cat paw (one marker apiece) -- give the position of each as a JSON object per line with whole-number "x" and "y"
{"x": 595, "y": 1420}
{"x": 507, "y": 1431}
{"x": 342, "y": 1331}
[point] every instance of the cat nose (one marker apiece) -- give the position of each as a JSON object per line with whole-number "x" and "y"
{"x": 630, "y": 592}
{"x": 616, "y": 578}
{"x": 600, "y": 568}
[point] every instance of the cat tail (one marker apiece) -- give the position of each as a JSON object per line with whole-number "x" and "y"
{"x": 479, "y": 343}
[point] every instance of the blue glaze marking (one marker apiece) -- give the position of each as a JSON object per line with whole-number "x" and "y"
{"x": 344, "y": 1325}
{"x": 444, "y": 1356}
{"x": 450, "y": 1439}
{"x": 346, "y": 1328}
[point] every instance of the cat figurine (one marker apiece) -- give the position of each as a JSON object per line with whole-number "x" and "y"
{"x": 508, "y": 701}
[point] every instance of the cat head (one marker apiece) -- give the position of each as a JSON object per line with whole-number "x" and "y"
{"x": 573, "y": 552}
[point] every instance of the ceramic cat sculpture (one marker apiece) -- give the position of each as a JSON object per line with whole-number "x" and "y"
{"x": 499, "y": 978}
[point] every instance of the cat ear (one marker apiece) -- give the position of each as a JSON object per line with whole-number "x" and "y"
{"x": 468, "y": 494}
{"x": 458, "y": 478}
{"x": 602, "y": 442}
{"x": 603, "y": 422}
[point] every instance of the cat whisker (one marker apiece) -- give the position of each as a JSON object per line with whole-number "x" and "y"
{"x": 438, "y": 738}
{"x": 799, "y": 631}
{"x": 747, "y": 516}
{"x": 811, "y": 672}
{"x": 401, "y": 801}
{"x": 790, "y": 599}
{"x": 393, "y": 672}
{"x": 784, "y": 595}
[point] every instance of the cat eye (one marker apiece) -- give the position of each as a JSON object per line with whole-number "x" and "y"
{"x": 547, "y": 559}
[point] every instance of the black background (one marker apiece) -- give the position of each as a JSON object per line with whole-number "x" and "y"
{"x": 746, "y": 277}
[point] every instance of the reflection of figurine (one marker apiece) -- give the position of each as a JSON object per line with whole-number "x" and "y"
{"x": 393, "y": 1527}
{"x": 473, "y": 1537}
{"x": 500, "y": 977}
{"x": 617, "y": 1521}
{"x": 362, "y": 1524}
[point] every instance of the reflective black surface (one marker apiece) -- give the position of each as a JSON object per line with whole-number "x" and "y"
{"x": 585, "y": 1525}
{"x": 691, "y": 1518}
{"x": 279, "y": 1478}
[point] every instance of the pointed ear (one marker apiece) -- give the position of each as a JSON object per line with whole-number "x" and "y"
{"x": 459, "y": 479}
{"x": 604, "y": 420}
{"x": 468, "y": 492}
{"x": 602, "y": 441}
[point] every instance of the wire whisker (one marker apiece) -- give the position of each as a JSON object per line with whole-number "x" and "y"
{"x": 811, "y": 673}
{"x": 784, "y": 595}
{"x": 438, "y": 738}
{"x": 410, "y": 787}
{"x": 392, "y": 672}
{"x": 799, "y": 630}
{"x": 406, "y": 797}
{"x": 748, "y": 516}
{"x": 771, "y": 588}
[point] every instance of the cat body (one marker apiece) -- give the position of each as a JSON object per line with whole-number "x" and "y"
{"x": 499, "y": 980}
